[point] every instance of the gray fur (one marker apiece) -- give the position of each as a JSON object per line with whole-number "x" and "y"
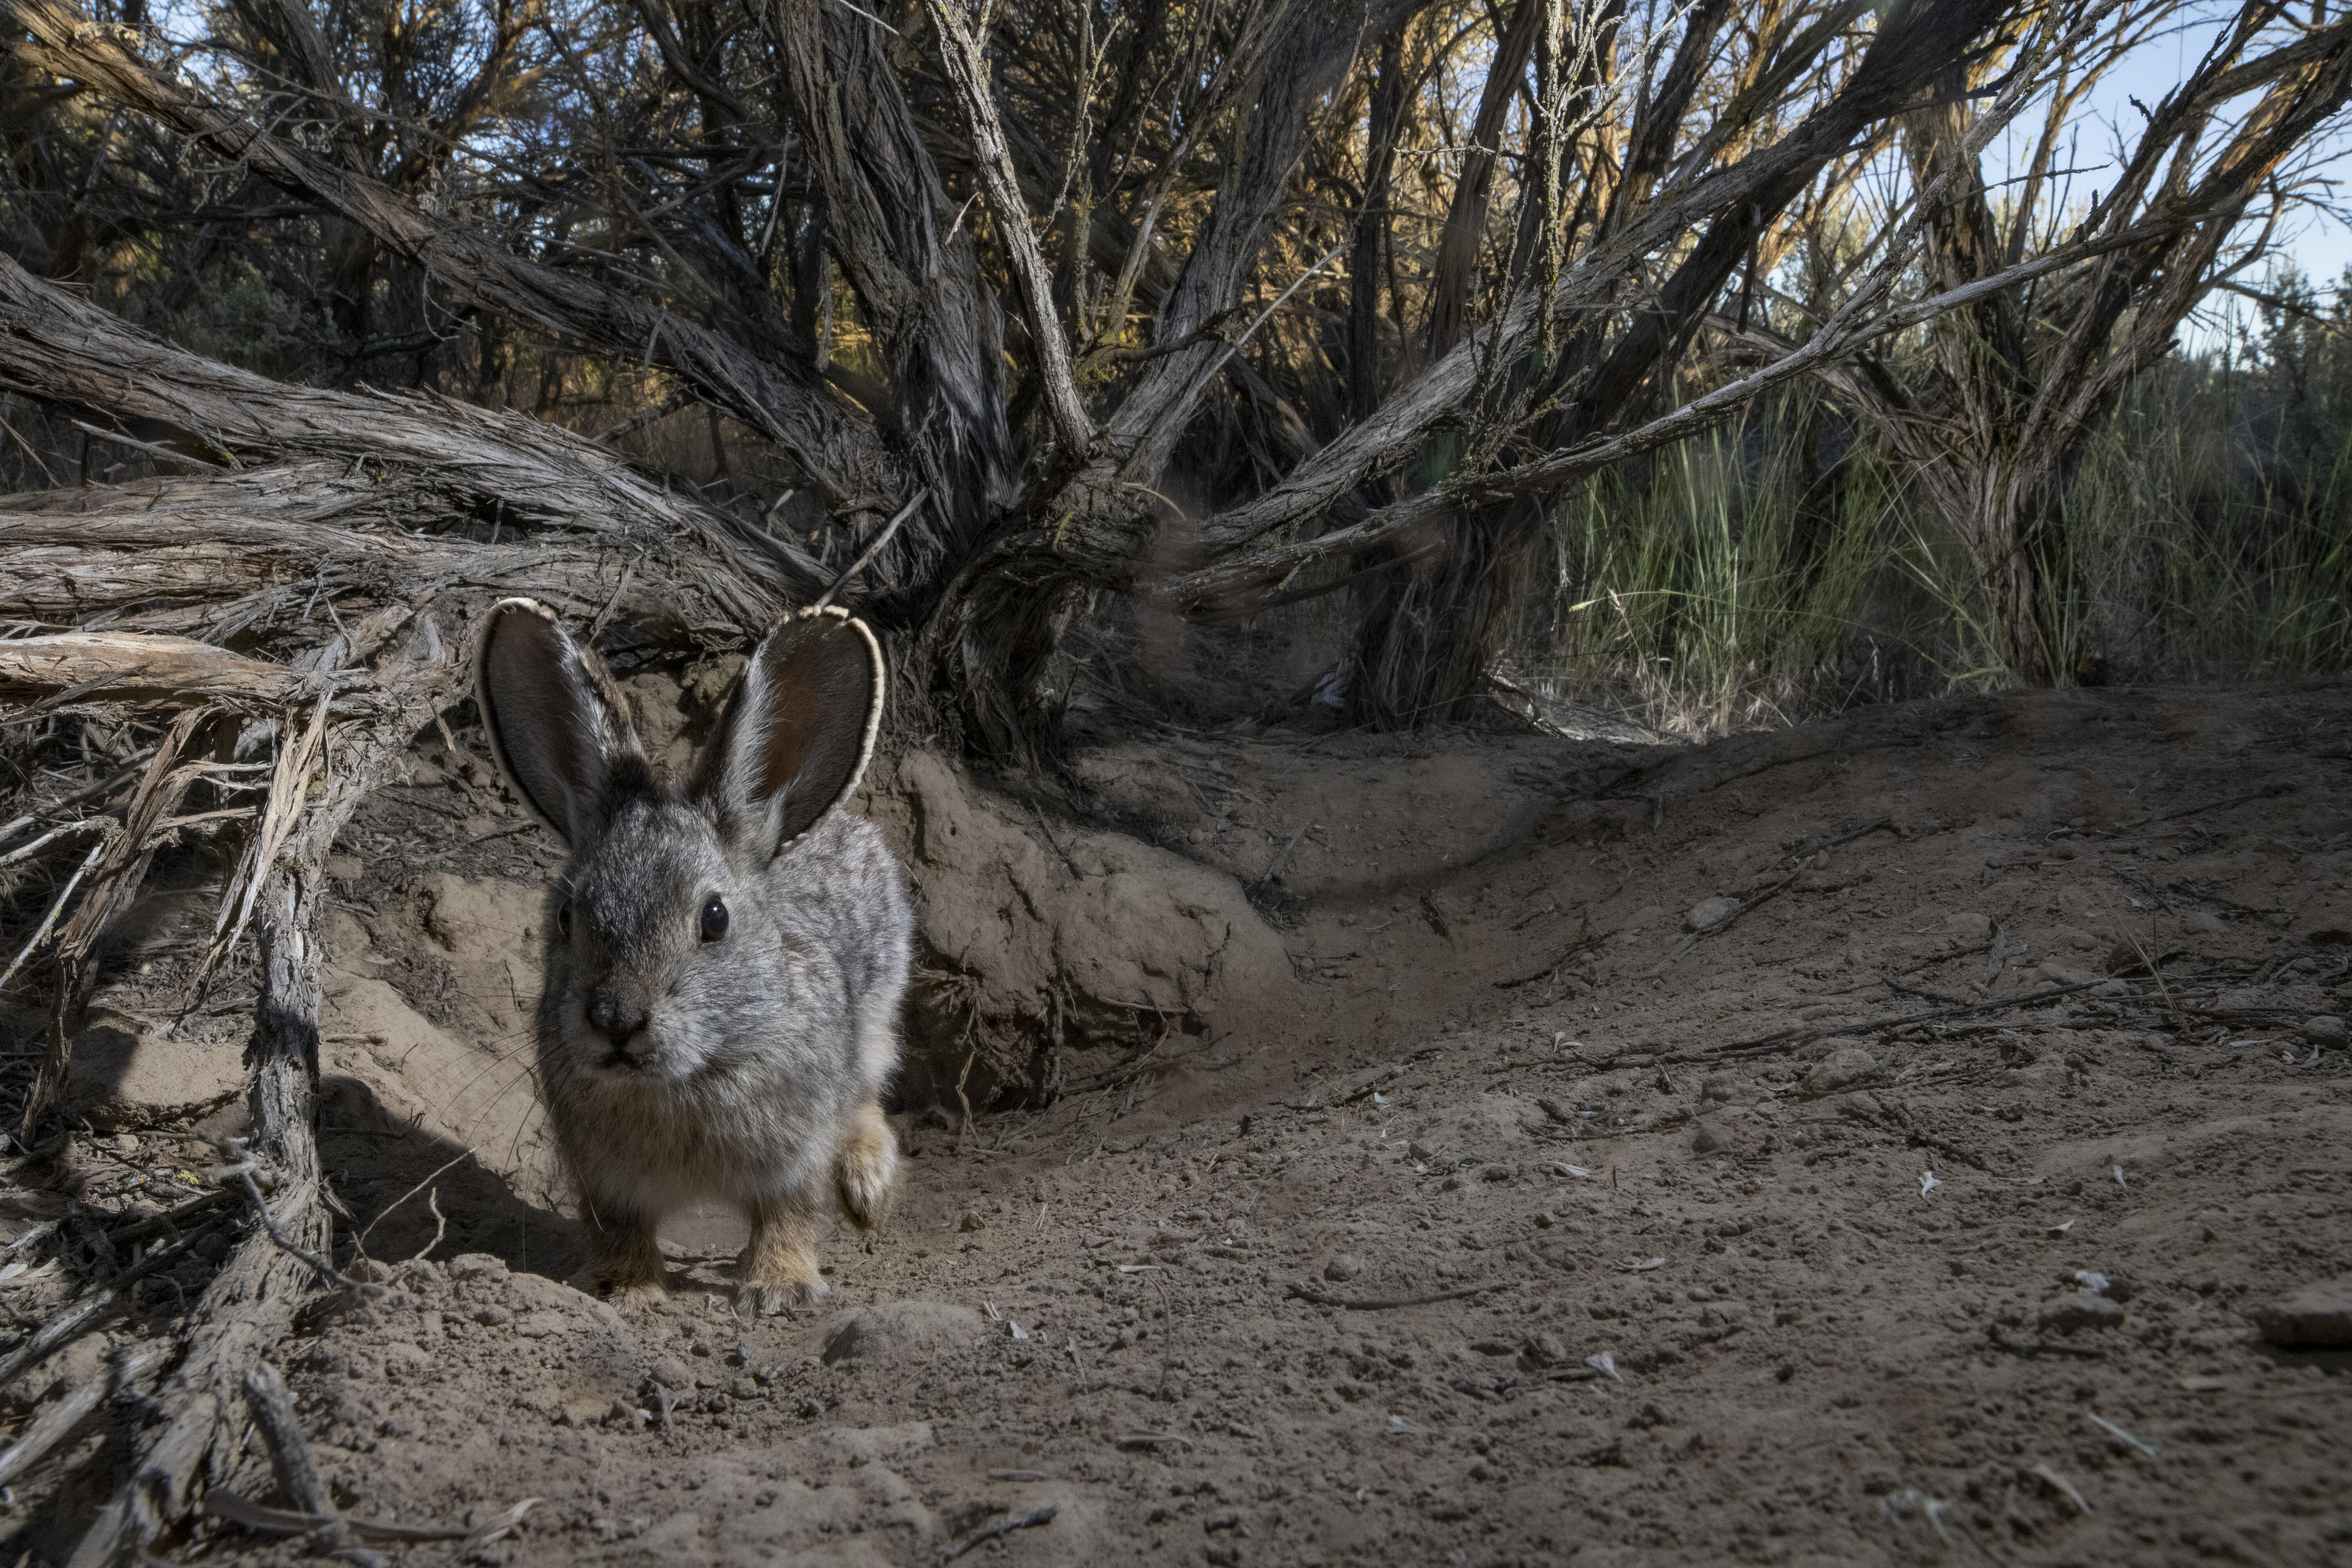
{"x": 760, "y": 1051}
{"x": 758, "y": 1055}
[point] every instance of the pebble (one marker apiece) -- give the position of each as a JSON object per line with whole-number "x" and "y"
{"x": 2326, "y": 1029}
{"x": 971, "y": 1222}
{"x": 1343, "y": 1268}
{"x": 1711, "y": 913}
{"x": 1840, "y": 1070}
{"x": 2072, "y": 1314}
{"x": 902, "y": 1331}
{"x": 2316, "y": 1317}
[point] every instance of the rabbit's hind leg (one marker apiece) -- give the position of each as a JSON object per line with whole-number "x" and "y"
{"x": 624, "y": 1259}
{"x": 865, "y": 1172}
{"x": 779, "y": 1270}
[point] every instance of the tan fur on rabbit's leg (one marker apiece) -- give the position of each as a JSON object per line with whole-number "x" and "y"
{"x": 779, "y": 1269}
{"x": 865, "y": 1172}
{"x": 624, "y": 1259}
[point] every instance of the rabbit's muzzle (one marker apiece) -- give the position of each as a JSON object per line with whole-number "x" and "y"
{"x": 620, "y": 1011}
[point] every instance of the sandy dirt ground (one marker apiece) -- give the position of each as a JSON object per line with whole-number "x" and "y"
{"x": 1883, "y": 1141}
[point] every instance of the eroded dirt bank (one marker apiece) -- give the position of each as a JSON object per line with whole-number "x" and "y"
{"x": 1668, "y": 1088}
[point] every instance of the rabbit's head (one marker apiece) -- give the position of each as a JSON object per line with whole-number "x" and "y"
{"x": 669, "y": 959}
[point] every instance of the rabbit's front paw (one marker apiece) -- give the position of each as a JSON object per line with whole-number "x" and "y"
{"x": 778, "y": 1270}
{"x": 634, "y": 1292}
{"x": 866, "y": 1172}
{"x": 780, "y": 1296}
{"x": 625, "y": 1263}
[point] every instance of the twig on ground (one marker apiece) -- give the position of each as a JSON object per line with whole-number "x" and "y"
{"x": 997, "y": 1527}
{"x": 298, "y": 1474}
{"x": 168, "y": 1221}
{"x": 2265, "y": 793}
{"x": 1273, "y": 867}
{"x": 1043, "y": 826}
{"x": 319, "y": 1266}
{"x": 1382, "y": 1304}
{"x": 359, "y": 1246}
{"x": 1788, "y": 1039}
{"x": 1921, "y": 1140}
{"x": 440, "y": 1227}
{"x": 2041, "y": 1347}
{"x": 82, "y": 824}
{"x": 1586, "y": 941}
{"x": 221, "y": 1503}
{"x": 2151, "y": 962}
{"x": 39, "y": 1233}
{"x": 103, "y": 786}
{"x": 1897, "y": 987}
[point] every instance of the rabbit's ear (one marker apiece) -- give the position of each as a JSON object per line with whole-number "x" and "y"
{"x": 557, "y": 724}
{"x": 797, "y": 735}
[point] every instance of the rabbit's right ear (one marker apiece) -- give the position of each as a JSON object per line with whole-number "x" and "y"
{"x": 798, "y": 732}
{"x": 557, "y": 724}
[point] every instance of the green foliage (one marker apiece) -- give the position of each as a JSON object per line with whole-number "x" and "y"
{"x": 2207, "y": 535}
{"x": 1725, "y": 585}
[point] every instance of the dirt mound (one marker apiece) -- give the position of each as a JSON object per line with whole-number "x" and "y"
{"x": 1040, "y": 942}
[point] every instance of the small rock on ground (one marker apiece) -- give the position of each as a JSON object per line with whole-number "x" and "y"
{"x": 2316, "y": 1317}
{"x": 2083, "y": 1309}
{"x": 902, "y": 1330}
{"x": 1710, "y": 913}
{"x": 1841, "y": 1068}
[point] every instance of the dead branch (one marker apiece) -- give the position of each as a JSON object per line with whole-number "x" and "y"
{"x": 840, "y": 454}
{"x": 466, "y": 460}
{"x": 129, "y": 670}
{"x": 214, "y": 555}
{"x": 290, "y": 1455}
{"x": 55, "y": 1421}
{"x": 99, "y": 1305}
{"x": 968, "y": 74}
{"x": 250, "y": 1303}
{"x": 1224, "y": 587}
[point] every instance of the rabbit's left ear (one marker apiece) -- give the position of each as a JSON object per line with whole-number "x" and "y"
{"x": 558, "y": 725}
{"x": 798, "y": 732}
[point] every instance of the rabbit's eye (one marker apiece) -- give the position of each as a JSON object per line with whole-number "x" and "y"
{"x": 563, "y": 917}
{"x": 714, "y": 920}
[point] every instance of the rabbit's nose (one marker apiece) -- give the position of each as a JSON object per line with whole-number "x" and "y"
{"x": 618, "y": 1017}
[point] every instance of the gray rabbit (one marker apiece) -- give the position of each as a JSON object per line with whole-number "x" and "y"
{"x": 721, "y": 1009}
